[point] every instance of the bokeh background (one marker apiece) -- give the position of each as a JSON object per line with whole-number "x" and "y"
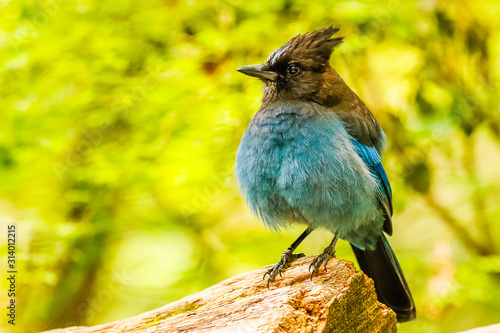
{"x": 119, "y": 123}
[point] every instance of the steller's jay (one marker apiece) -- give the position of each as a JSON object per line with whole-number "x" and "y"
{"x": 311, "y": 154}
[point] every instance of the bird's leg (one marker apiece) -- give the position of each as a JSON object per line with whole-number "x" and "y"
{"x": 323, "y": 258}
{"x": 286, "y": 258}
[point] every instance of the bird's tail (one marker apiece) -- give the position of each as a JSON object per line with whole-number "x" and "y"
{"x": 383, "y": 267}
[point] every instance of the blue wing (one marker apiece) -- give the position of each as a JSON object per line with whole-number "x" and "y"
{"x": 372, "y": 159}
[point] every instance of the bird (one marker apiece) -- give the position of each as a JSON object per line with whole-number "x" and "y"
{"x": 312, "y": 155}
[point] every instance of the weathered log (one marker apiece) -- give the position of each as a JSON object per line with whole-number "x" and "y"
{"x": 342, "y": 299}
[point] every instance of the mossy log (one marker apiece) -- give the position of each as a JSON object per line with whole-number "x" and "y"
{"x": 342, "y": 299}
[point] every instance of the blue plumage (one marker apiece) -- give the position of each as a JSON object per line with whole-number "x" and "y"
{"x": 296, "y": 162}
{"x": 370, "y": 156}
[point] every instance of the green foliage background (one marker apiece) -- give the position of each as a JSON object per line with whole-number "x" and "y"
{"x": 120, "y": 122}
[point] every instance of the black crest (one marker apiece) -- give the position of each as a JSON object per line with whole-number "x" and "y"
{"x": 314, "y": 48}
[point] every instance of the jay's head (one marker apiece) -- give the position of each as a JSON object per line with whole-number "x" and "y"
{"x": 296, "y": 69}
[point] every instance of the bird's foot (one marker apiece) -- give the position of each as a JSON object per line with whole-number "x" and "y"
{"x": 286, "y": 259}
{"x": 322, "y": 259}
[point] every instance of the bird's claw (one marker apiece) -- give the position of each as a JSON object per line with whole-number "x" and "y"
{"x": 322, "y": 259}
{"x": 286, "y": 259}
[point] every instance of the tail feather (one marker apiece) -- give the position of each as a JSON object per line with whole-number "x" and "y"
{"x": 383, "y": 267}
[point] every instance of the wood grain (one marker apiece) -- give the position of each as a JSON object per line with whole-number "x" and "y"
{"x": 342, "y": 299}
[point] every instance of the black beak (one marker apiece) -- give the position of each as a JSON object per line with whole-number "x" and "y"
{"x": 257, "y": 71}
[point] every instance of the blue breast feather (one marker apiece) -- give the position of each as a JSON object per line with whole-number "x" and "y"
{"x": 296, "y": 163}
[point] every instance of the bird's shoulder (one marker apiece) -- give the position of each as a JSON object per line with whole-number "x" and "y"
{"x": 360, "y": 122}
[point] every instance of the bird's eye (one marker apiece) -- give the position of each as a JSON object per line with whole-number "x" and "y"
{"x": 293, "y": 69}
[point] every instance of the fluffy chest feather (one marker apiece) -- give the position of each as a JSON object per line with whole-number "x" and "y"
{"x": 296, "y": 162}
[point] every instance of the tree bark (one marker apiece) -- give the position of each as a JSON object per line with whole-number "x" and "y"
{"x": 342, "y": 299}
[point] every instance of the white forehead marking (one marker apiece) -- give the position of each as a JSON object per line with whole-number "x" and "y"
{"x": 273, "y": 58}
